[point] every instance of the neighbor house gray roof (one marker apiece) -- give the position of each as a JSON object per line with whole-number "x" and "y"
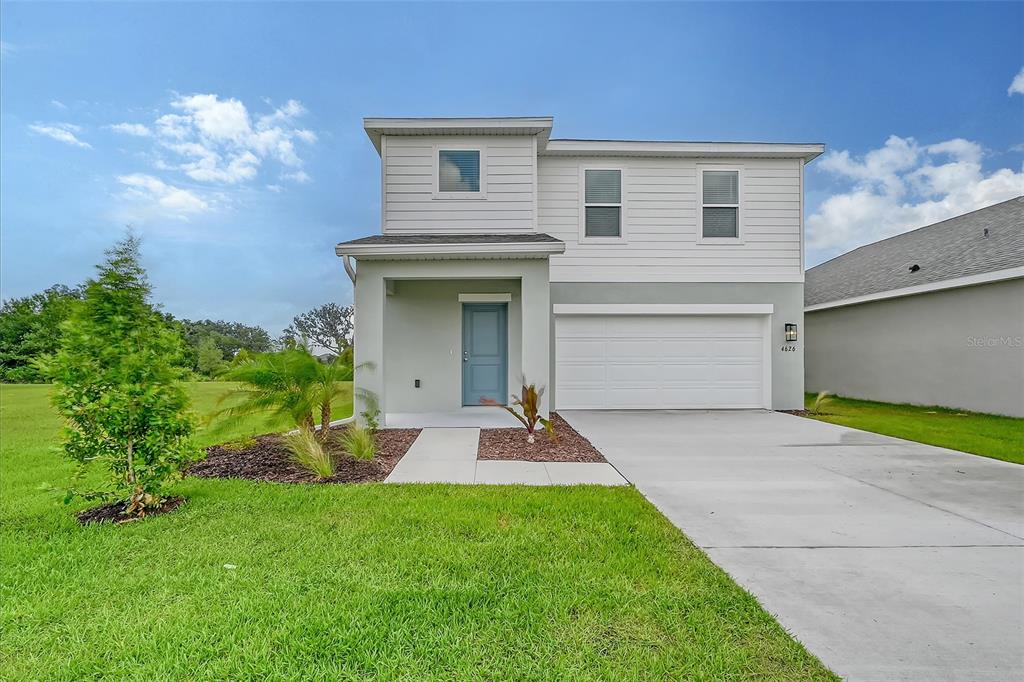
{"x": 954, "y": 248}
{"x": 526, "y": 238}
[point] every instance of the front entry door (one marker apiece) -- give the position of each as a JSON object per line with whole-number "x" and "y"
{"x": 484, "y": 352}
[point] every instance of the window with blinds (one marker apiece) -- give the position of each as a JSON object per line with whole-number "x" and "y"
{"x": 458, "y": 170}
{"x": 602, "y": 199}
{"x": 720, "y": 210}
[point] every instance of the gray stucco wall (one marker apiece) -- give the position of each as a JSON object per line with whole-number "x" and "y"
{"x": 960, "y": 348}
{"x": 410, "y": 333}
{"x": 423, "y": 340}
{"x": 788, "y": 299}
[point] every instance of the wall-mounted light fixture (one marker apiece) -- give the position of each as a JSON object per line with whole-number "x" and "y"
{"x": 790, "y": 332}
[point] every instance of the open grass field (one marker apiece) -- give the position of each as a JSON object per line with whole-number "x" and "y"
{"x": 987, "y": 435}
{"x": 414, "y": 582}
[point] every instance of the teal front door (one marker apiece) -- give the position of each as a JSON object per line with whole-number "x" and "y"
{"x": 484, "y": 352}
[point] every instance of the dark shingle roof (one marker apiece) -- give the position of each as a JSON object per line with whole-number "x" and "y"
{"x": 526, "y": 238}
{"x": 952, "y": 248}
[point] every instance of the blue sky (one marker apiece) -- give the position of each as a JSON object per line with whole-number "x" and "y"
{"x": 243, "y": 160}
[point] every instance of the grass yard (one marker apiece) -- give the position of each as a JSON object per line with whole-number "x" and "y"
{"x": 987, "y": 435}
{"x": 368, "y": 581}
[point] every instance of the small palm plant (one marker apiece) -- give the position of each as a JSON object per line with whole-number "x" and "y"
{"x": 290, "y": 382}
{"x": 821, "y": 401}
{"x": 294, "y": 384}
{"x": 529, "y": 402}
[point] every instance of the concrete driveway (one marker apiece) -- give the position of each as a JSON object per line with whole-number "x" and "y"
{"x": 889, "y": 560}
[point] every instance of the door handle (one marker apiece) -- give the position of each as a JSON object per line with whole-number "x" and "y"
{"x": 465, "y": 356}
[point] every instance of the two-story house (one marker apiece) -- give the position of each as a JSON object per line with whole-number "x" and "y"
{"x": 616, "y": 274}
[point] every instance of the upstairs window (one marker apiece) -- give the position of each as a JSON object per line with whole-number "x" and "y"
{"x": 602, "y": 203}
{"x": 720, "y": 208}
{"x": 458, "y": 170}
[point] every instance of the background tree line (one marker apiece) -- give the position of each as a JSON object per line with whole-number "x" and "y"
{"x": 30, "y": 329}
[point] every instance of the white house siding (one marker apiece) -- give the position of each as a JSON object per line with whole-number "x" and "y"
{"x": 660, "y": 222}
{"x": 409, "y": 202}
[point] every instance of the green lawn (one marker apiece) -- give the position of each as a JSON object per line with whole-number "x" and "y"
{"x": 361, "y": 582}
{"x": 981, "y": 434}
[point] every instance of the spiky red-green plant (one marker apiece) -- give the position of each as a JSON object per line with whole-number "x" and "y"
{"x": 529, "y": 402}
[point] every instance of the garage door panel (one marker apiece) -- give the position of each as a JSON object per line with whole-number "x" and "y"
{"x": 582, "y": 348}
{"x": 578, "y": 373}
{"x": 651, "y": 362}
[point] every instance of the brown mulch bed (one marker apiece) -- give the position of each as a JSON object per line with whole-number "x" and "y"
{"x": 798, "y": 413}
{"x": 114, "y": 512}
{"x": 511, "y": 444}
{"x": 269, "y": 460}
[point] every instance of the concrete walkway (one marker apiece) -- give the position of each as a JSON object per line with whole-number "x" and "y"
{"x": 448, "y": 455}
{"x": 889, "y": 560}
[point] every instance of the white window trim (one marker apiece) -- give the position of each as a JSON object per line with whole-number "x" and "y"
{"x": 701, "y": 239}
{"x": 462, "y": 196}
{"x": 583, "y": 238}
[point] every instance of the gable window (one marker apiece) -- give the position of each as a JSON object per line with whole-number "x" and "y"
{"x": 458, "y": 170}
{"x": 602, "y": 203}
{"x": 720, "y": 207}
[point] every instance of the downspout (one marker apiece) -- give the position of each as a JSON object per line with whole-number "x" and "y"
{"x": 348, "y": 268}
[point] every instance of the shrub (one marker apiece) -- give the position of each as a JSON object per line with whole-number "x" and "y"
{"x": 117, "y": 385}
{"x": 309, "y": 452}
{"x": 529, "y": 403}
{"x": 358, "y": 441}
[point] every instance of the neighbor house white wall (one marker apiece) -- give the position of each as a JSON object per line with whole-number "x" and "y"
{"x": 660, "y": 222}
{"x": 409, "y": 182}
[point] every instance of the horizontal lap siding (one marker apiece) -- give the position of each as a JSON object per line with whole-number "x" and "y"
{"x": 661, "y": 206}
{"x": 409, "y": 203}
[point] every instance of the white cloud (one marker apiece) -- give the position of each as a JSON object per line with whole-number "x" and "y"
{"x": 166, "y": 199}
{"x": 173, "y": 126}
{"x": 1017, "y": 86}
{"x": 62, "y": 132}
{"x": 216, "y": 140}
{"x": 301, "y": 177}
{"x": 133, "y": 129}
{"x": 57, "y": 103}
{"x": 217, "y": 119}
{"x": 904, "y": 185}
{"x": 7, "y": 49}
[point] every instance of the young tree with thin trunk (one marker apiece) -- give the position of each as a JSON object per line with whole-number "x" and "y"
{"x": 117, "y": 385}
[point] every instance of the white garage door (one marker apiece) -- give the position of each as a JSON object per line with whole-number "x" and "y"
{"x": 660, "y": 361}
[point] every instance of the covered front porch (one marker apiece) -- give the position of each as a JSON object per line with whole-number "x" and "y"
{"x": 438, "y": 337}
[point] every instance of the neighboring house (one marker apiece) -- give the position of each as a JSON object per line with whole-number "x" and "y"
{"x": 616, "y": 274}
{"x": 932, "y": 317}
